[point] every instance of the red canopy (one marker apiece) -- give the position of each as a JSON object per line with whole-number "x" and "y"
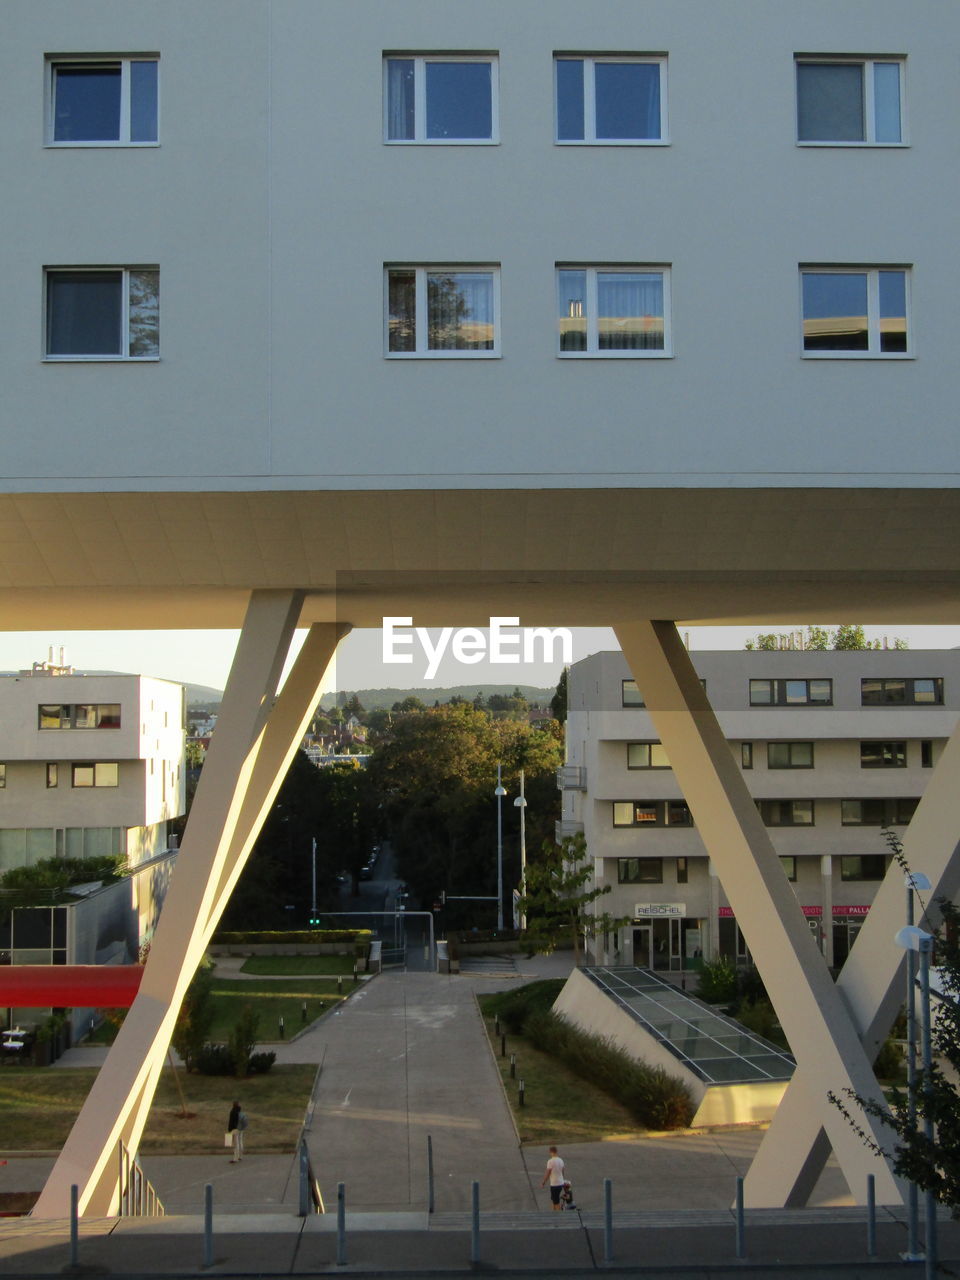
{"x": 69, "y": 986}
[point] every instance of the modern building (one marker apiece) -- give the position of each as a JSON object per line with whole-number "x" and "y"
{"x": 835, "y": 747}
{"x": 316, "y": 313}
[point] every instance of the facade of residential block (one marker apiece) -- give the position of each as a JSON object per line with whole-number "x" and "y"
{"x": 836, "y": 747}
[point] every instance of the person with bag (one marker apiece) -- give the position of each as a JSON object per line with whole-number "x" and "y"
{"x": 556, "y": 1178}
{"x": 233, "y": 1138}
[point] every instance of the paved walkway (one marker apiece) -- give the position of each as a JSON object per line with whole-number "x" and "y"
{"x": 407, "y": 1057}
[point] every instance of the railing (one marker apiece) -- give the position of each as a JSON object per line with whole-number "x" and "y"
{"x": 572, "y": 777}
{"x": 138, "y": 1197}
{"x": 567, "y": 827}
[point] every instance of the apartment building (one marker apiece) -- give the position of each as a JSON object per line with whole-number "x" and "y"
{"x": 835, "y": 746}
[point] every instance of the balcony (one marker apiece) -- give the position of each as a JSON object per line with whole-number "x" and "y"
{"x": 572, "y": 777}
{"x": 566, "y": 827}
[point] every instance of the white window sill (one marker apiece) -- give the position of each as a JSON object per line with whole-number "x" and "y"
{"x": 857, "y": 355}
{"x": 101, "y": 359}
{"x": 871, "y": 146}
{"x": 112, "y": 144}
{"x": 615, "y": 355}
{"x": 441, "y": 142}
{"x": 442, "y": 355}
{"x": 612, "y": 142}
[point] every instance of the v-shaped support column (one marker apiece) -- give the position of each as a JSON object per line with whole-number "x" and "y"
{"x": 795, "y": 1147}
{"x": 812, "y": 1013}
{"x": 255, "y": 739}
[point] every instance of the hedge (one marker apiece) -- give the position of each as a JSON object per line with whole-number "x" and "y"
{"x": 292, "y": 935}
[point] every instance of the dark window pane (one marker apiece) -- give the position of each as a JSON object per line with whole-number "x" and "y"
{"x": 569, "y": 99}
{"x": 144, "y": 313}
{"x": 829, "y": 102}
{"x": 32, "y": 927}
{"x": 84, "y": 311}
{"x": 572, "y": 306}
{"x": 400, "y": 117}
{"x": 459, "y": 100}
{"x": 629, "y": 311}
{"x": 628, "y": 100}
{"x": 835, "y": 311}
{"x": 402, "y": 310}
{"x": 893, "y": 311}
{"x": 86, "y": 104}
{"x": 460, "y": 311}
{"x": 143, "y": 102}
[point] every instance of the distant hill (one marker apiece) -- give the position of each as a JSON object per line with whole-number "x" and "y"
{"x": 201, "y": 695}
{"x": 375, "y": 699}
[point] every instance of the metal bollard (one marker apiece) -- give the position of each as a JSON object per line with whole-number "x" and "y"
{"x": 303, "y": 1011}
{"x": 74, "y": 1225}
{"x": 280, "y": 1024}
{"x": 475, "y": 1222}
{"x": 208, "y": 1225}
{"x": 741, "y": 1249}
{"x": 340, "y": 985}
{"x": 513, "y": 1066}
{"x": 503, "y": 1046}
{"x": 607, "y": 1220}
{"x": 341, "y": 1226}
{"x": 303, "y": 1160}
{"x": 430, "y": 1188}
{"x": 521, "y": 1092}
{"x": 496, "y": 1024}
{"x": 871, "y": 1216}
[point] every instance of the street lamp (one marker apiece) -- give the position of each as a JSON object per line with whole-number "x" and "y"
{"x": 500, "y": 793}
{"x": 915, "y": 882}
{"x": 915, "y": 940}
{"x": 521, "y": 804}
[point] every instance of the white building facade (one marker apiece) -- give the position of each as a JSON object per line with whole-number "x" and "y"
{"x": 834, "y": 746}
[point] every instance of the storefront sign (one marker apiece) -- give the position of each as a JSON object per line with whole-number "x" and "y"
{"x": 726, "y": 913}
{"x": 678, "y": 909}
{"x": 851, "y": 911}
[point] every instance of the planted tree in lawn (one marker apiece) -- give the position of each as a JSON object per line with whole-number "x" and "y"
{"x": 558, "y": 895}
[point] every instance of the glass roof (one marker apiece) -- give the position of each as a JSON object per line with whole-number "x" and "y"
{"x": 713, "y": 1046}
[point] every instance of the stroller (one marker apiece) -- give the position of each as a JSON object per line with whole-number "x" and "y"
{"x": 566, "y": 1196}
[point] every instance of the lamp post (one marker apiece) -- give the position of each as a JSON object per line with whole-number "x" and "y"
{"x": 499, "y": 793}
{"x": 914, "y": 882}
{"x": 915, "y": 940}
{"x": 521, "y": 804}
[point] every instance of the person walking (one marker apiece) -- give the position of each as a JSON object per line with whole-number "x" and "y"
{"x": 236, "y": 1124}
{"x": 555, "y": 1176}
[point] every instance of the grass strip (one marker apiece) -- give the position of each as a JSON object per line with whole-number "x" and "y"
{"x": 286, "y": 966}
{"x": 299, "y": 1003}
{"x": 38, "y": 1106}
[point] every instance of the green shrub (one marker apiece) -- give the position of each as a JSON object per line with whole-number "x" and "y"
{"x": 652, "y": 1097}
{"x": 890, "y": 1064}
{"x": 214, "y": 1060}
{"x": 718, "y": 982}
{"x": 254, "y": 936}
{"x": 243, "y": 1039}
{"x": 260, "y": 1063}
{"x": 516, "y": 1006}
{"x": 758, "y": 1016}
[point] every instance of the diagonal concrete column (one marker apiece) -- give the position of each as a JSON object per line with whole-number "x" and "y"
{"x": 872, "y": 983}
{"x": 252, "y": 746}
{"x": 812, "y": 1013}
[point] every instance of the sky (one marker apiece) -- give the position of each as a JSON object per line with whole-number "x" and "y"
{"x": 204, "y": 657}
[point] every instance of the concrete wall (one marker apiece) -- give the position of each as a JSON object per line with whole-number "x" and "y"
{"x": 272, "y": 204}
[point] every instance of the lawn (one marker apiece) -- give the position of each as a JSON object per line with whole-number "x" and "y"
{"x": 271, "y": 1000}
{"x": 38, "y": 1106}
{"x": 283, "y": 966}
{"x": 559, "y": 1106}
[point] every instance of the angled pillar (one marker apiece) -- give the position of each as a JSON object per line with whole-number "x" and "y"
{"x": 256, "y": 736}
{"x": 814, "y": 1017}
{"x": 795, "y": 1148}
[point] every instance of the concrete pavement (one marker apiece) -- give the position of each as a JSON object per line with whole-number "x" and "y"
{"x": 407, "y": 1057}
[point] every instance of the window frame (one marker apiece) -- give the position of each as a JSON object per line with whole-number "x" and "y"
{"x": 654, "y": 865}
{"x": 53, "y": 61}
{"x": 898, "y": 754}
{"x": 746, "y": 755}
{"x": 108, "y": 357}
{"x": 872, "y": 273}
{"x": 68, "y": 719}
{"x": 3, "y": 775}
{"x": 780, "y": 817}
{"x": 889, "y": 808}
{"x": 660, "y": 809}
{"x": 593, "y": 351}
{"x": 650, "y": 745}
{"x": 909, "y": 691}
{"x": 421, "y": 311}
{"x": 851, "y": 875}
{"x": 590, "y": 62}
{"x": 788, "y": 861}
{"x": 791, "y": 764}
{"x": 420, "y": 61}
{"x": 94, "y": 767}
{"x": 778, "y": 691}
{"x": 869, "y": 65}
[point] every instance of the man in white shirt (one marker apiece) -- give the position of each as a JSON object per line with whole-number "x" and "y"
{"x": 555, "y": 1174}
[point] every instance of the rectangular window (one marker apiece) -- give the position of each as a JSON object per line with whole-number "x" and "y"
{"x": 746, "y": 755}
{"x": 883, "y": 755}
{"x": 103, "y": 313}
{"x": 926, "y": 754}
{"x": 878, "y": 811}
{"x": 678, "y": 814}
{"x": 103, "y": 102}
{"x": 651, "y": 813}
{"x": 53, "y": 716}
{"x": 683, "y": 870}
{"x": 789, "y": 865}
{"x": 82, "y": 715}
{"x": 3, "y": 776}
{"x": 616, "y": 311}
{"x": 101, "y": 774}
{"x": 646, "y": 755}
{"x": 442, "y": 311}
{"x": 786, "y": 813}
{"x": 434, "y": 99}
{"x": 52, "y": 775}
{"x": 611, "y": 100}
{"x": 791, "y": 693}
{"x": 844, "y": 101}
{"x": 926, "y": 691}
{"x": 871, "y": 866}
{"x": 640, "y": 871}
{"x": 855, "y": 312}
{"x": 630, "y": 695}
{"x": 789, "y": 755}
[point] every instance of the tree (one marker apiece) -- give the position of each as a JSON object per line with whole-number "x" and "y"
{"x": 557, "y": 897}
{"x": 848, "y": 635}
{"x": 933, "y": 1165}
{"x": 195, "y": 1019}
{"x": 558, "y": 703}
